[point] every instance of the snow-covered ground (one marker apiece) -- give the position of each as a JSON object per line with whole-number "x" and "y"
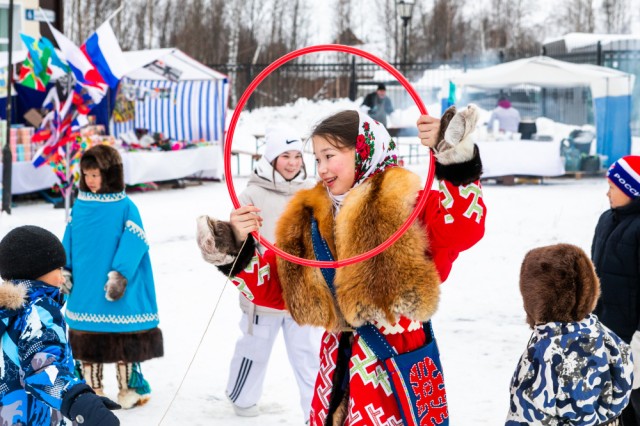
{"x": 479, "y": 325}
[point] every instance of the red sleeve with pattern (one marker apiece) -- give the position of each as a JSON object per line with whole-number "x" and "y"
{"x": 454, "y": 218}
{"x": 259, "y": 282}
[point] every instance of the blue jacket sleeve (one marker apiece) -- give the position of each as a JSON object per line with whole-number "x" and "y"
{"x": 45, "y": 356}
{"x": 132, "y": 247}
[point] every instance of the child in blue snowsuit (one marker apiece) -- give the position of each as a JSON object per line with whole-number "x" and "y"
{"x": 111, "y": 310}
{"x": 574, "y": 371}
{"x": 37, "y": 381}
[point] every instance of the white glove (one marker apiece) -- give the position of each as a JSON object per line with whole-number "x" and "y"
{"x": 635, "y": 350}
{"x": 457, "y": 146}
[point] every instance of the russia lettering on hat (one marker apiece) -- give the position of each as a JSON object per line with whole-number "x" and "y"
{"x": 625, "y": 174}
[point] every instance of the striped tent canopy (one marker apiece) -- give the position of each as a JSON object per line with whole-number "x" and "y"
{"x": 190, "y": 106}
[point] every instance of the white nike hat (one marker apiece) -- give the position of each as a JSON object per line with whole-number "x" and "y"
{"x": 279, "y": 139}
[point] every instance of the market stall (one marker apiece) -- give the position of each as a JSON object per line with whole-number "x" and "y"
{"x": 171, "y": 94}
{"x": 185, "y": 109}
{"x": 139, "y": 167}
{"x": 611, "y": 91}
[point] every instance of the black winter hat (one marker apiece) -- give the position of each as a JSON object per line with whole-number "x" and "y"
{"x": 29, "y": 252}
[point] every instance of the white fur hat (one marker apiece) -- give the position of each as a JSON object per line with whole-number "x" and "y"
{"x": 281, "y": 139}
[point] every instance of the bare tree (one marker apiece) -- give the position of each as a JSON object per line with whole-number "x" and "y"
{"x": 165, "y": 24}
{"x": 577, "y": 16}
{"x": 617, "y": 19}
{"x": 389, "y": 28}
{"x": 441, "y": 31}
{"x": 342, "y": 19}
{"x": 150, "y": 11}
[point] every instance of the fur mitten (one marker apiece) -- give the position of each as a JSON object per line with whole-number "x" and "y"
{"x": 114, "y": 289}
{"x": 455, "y": 144}
{"x": 217, "y": 241}
{"x": 67, "y": 285}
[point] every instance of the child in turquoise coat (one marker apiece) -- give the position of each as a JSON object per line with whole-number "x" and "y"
{"x": 111, "y": 310}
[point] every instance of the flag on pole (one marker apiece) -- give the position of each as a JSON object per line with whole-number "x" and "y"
{"x": 37, "y": 54}
{"x": 103, "y": 50}
{"x": 84, "y": 71}
{"x": 30, "y": 78}
{"x": 45, "y": 43}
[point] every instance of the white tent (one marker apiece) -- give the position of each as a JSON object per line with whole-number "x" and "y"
{"x": 611, "y": 91}
{"x": 197, "y": 103}
{"x": 548, "y": 72}
{"x": 191, "y": 69}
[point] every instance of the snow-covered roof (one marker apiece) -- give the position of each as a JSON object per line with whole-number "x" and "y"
{"x": 547, "y": 72}
{"x": 575, "y": 41}
{"x": 189, "y": 67}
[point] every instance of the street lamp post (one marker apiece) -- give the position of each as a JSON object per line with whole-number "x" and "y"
{"x": 6, "y": 151}
{"x": 405, "y": 10}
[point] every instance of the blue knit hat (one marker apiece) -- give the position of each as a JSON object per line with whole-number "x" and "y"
{"x": 625, "y": 174}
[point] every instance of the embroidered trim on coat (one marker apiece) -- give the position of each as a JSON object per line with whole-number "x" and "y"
{"x": 136, "y": 230}
{"x": 103, "y": 198}
{"x": 112, "y": 319}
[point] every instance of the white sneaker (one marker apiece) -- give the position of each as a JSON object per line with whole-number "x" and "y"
{"x": 246, "y": 412}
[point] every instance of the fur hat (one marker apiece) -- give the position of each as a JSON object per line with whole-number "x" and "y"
{"x": 29, "y": 252}
{"x": 558, "y": 284}
{"x": 625, "y": 174}
{"x": 281, "y": 139}
{"x": 106, "y": 159}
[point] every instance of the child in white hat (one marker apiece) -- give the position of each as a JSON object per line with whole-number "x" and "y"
{"x": 277, "y": 176}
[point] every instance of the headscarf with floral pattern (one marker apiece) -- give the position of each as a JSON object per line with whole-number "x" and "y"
{"x": 375, "y": 152}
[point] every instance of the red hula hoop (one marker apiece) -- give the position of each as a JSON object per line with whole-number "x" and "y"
{"x": 422, "y": 200}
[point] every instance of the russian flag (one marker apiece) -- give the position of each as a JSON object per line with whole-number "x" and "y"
{"x": 82, "y": 68}
{"x": 104, "y": 52}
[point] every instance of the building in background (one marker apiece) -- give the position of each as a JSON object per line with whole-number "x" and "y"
{"x": 29, "y": 20}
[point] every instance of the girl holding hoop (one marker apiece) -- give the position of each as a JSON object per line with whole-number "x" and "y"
{"x": 362, "y": 198}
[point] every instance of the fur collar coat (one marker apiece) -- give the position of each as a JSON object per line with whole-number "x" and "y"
{"x": 401, "y": 281}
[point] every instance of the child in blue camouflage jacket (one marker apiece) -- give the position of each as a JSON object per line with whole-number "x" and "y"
{"x": 575, "y": 371}
{"x": 37, "y": 381}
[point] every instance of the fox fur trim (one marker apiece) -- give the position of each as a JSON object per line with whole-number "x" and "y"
{"x": 558, "y": 284}
{"x": 402, "y": 280}
{"x": 12, "y": 296}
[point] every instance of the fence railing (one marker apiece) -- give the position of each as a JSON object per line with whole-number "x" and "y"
{"x": 353, "y": 77}
{"x": 623, "y": 55}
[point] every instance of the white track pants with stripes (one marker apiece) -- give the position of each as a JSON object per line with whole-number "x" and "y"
{"x": 250, "y": 359}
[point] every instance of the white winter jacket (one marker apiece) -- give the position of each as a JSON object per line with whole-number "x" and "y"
{"x": 268, "y": 191}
